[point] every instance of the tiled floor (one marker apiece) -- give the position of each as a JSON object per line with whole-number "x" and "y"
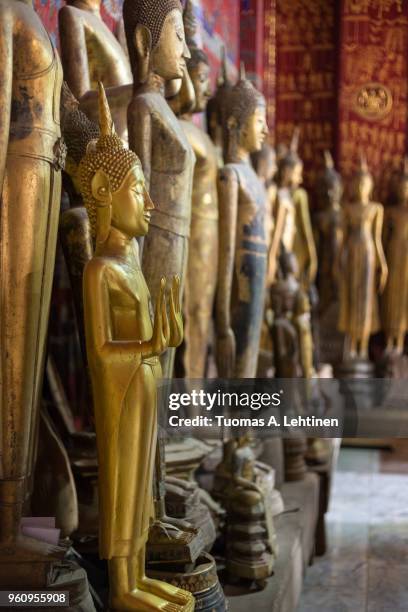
{"x": 366, "y": 567}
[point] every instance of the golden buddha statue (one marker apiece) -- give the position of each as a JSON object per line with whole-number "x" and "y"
{"x": 157, "y": 50}
{"x": 243, "y": 242}
{"x": 292, "y": 226}
{"x": 395, "y": 298}
{"x": 31, "y": 157}
{"x": 362, "y": 266}
{"x": 123, "y": 347}
{"x": 90, "y": 53}
{"x": 202, "y": 263}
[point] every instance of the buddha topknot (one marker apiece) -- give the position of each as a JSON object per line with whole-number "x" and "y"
{"x": 243, "y": 100}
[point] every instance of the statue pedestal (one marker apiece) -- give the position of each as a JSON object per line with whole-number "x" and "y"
{"x": 202, "y": 581}
{"x": 65, "y": 576}
{"x": 164, "y": 549}
{"x": 295, "y": 451}
{"x": 356, "y": 383}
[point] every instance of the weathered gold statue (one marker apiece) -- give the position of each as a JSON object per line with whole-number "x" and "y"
{"x": 157, "y": 50}
{"x": 395, "y": 299}
{"x": 31, "y": 157}
{"x": 203, "y": 251}
{"x": 362, "y": 266}
{"x": 243, "y": 241}
{"x": 123, "y": 348}
{"x": 91, "y": 53}
{"x": 293, "y": 227}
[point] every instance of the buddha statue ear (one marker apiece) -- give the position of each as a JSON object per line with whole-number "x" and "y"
{"x": 101, "y": 192}
{"x": 143, "y": 44}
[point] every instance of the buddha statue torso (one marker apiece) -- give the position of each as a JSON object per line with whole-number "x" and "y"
{"x": 203, "y": 252}
{"x": 250, "y": 268}
{"x": 91, "y": 53}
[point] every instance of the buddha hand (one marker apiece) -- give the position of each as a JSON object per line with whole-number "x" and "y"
{"x": 161, "y": 331}
{"x": 176, "y": 319}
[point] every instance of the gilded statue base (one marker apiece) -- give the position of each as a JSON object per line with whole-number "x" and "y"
{"x": 249, "y": 549}
{"x": 202, "y": 582}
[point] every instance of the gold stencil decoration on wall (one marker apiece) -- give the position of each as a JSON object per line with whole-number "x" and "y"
{"x": 373, "y": 101}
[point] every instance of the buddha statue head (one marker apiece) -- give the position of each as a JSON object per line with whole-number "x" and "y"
{"x": 216, "y": 107}
{"x": 198, "y": 64}
{"x": 155, "y": 38}
{"x": 290, "y": 166}
{"x": 264, "y": 163}
{"x": 399, "y": 185}
{"x": 245, "y": 118}
{"x": 329, "y": 187}
{"x": 78, "y": 131}
{"x": 112, "y": 183}
{"x": 362, "y": 183}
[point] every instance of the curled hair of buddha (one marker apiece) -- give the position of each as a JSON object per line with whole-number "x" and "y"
{"x": 242, "y": 100}
{"x": 148, "y": 13}
{"x": 78, "y": 131}
{"x": 109, "y": 154}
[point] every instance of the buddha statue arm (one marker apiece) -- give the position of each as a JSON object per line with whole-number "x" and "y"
{"x": 228, "y": 205}
{"x": 276, "y": 241}
{"x": 140, "y": 135}
{"x": 6, "y": 81}
{"x": 74, "y": 55}
{"x": 378, "y": 225}
{"x": 97, "y": 309}
{"x": 309, "y": 240}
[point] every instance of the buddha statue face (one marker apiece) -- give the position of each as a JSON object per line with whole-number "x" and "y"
{"x": 291, "y": 173}
{"x": 364, "y": 186}
{"x": 131, "y": 205}
{"x": 200, "y": 77}
{"x": 168, "y": 57}
{"x": 254, "y": 131}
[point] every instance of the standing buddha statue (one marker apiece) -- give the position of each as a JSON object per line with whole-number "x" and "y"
{"x": 203, "y": 251}
{"x": 395, "y": 298}
{"x": 31, "y": 157}
{"x": 243, "y": 242}
{"x": 123, "y": 347}
{"x": 362, "y": 267}
{"x": 157, "y": 51}
{"x": 90, "y": 52}
{"x": 216, "y": 110}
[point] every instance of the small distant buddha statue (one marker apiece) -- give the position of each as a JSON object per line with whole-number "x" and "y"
{"x": 362, "y": 266}
{"x": 90, "y": 52}
{"x": 292, "y": 226}
{"x": 123, "y": 346}
{"x": 327, "y": 220}
{"x": 243, "y": 242}
{"x": 395, "y": 298}
{"x": 251, "y": 538}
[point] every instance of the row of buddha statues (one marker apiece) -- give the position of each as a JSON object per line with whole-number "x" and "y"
{"x": 177, "y": 242}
